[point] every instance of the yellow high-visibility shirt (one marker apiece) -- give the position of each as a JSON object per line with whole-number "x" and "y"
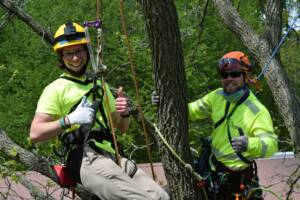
{"x": 61, "y": 95}
{"x": 251, "y": 116}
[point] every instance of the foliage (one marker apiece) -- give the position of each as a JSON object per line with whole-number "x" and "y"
{"x": 27, "y": 63}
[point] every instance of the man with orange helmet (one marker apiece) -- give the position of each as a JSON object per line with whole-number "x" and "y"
{"x": 243, "y": 131}
{"x": 66, "y": 106}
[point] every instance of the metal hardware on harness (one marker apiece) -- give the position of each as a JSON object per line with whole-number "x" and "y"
{"x": 98, "y": 67}
{"x": 95, "y": 24}
{"x": 100, "y": 71}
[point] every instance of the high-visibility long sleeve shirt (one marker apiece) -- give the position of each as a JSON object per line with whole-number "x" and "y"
{"x": 251, "y": 116}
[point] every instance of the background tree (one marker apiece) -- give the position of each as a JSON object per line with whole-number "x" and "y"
{"x": 261, "y": 48}
{"x": 186, "y": 40}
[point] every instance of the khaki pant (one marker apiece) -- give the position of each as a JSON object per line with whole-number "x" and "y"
{"x": 101, "y": 176}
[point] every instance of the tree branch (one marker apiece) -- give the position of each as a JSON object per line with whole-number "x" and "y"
{"x": 282, "y": 89}
{"x": 27, "y": 19}
{"x": 34, "y": 162}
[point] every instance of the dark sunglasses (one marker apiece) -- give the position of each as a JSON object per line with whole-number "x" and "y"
{"x": 234, "y": 74}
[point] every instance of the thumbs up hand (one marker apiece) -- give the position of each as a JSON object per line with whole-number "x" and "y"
{"x": 240, "y": 144}
{"x": 121, "y": 103}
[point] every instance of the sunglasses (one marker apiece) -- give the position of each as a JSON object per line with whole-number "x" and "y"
{"x": 234, "y": 74}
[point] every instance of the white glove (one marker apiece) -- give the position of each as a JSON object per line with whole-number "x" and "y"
{"x": 83, "y": 114}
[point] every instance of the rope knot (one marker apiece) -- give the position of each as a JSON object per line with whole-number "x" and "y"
{"x": 188, "y": 168}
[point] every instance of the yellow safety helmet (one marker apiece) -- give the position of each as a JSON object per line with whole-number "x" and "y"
{"x": 69, "y": 34}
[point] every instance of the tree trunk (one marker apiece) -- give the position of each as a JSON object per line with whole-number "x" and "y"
{"x": 168, "y": 64}
{"x": 282, "y": 89}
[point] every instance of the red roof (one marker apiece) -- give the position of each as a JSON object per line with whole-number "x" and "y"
{"x": 273, "y": 174}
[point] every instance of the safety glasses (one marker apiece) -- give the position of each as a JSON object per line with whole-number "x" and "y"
{"x": 234, "y": 74}
{"x": 78, "y": 52}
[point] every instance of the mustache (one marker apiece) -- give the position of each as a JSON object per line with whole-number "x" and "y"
{"x": 229, "y": 82}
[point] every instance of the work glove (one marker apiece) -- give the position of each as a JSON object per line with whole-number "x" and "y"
{"x": 83, "y": 114}
{"x": 122, "y": 103}
{"x": 155, "y": 98}
{"x": 240, "y": 144}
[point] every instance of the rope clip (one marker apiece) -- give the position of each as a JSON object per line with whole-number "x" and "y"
{"x": 95, "y": 24}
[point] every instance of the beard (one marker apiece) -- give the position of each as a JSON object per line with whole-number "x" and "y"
{"x": 231, "y": 87}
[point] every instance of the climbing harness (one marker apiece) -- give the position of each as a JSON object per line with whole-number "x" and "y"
{"x": 74, "y": 141}
{"x": 224, "y": 182}
{"x": 226, "y": 118}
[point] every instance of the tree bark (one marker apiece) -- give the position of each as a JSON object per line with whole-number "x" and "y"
{"x": 282, "y": 89}
{"x": 168, "y": 64}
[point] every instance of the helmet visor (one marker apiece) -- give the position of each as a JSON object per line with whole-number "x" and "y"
{"x": 229, "y": 64}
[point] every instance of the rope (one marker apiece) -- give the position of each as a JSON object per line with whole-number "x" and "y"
{"x": 103, "y": 68}
{"x": 133, "y": 73}
{"x": 99, "y": 35}
{"x": 276, "y": 49}
{"x": 135, "y": 148}
{"x": 266, "y": 190}
{"x": 99, "y": 69}
{"x": 111, "y": 124}
{"x": 187, "y": 166}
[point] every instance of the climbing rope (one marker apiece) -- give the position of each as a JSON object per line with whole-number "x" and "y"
{"x": 265, "y": 68}
{"x": 197, "y": 177}
{"x": 266, "y": 190}
{"x": 137, "y": 91}
{"x": 135, "y": 148}
{"x": 99, "y": 70}
{"x": 99, "y": 58}
{"x": 187, "y": 166}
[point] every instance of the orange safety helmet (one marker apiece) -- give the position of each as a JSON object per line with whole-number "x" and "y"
{"x": 234, "y": 60}
{"x": 238, "y": 61}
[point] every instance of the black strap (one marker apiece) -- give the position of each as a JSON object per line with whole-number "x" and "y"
{"x": 75, "y": 137}
{"x": 77, "y": 35}
{"x": 225, "y": 115}
{"x": 85, "y": 82}
{"x": 240, "y": 101}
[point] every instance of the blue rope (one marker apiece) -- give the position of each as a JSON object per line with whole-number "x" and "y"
{"x": 277, "y": 48}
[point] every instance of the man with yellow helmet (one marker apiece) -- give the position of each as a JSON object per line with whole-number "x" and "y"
{"x": 243, "y": 131}
{"x": 66, "y": 106}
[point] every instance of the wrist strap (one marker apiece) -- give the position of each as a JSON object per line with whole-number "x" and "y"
{"x": 63, "y": 123}
{"x": 68, "y": 125}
